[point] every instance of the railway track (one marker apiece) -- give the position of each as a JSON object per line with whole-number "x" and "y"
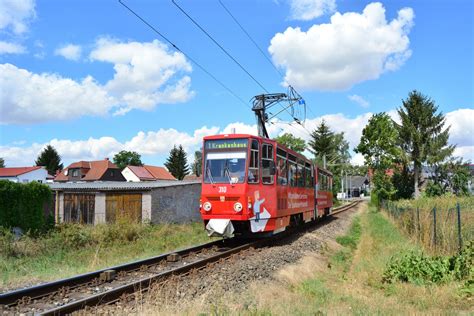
{"x": 119, "y": 282}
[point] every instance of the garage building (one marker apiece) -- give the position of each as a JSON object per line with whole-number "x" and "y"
{"x": 105, "y": 202}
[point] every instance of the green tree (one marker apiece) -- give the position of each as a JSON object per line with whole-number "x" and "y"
{"x": 2, "y": 163}
{"x": 294, "y": 143}
{"x": 177, "y": 163}
{"x": 321, "y": 143}
{"x": 328, "y": 146}
{"x": 197, "y": 165}
{"x": 422, "y": 134}
{"x": 127, "y": 158}
{"x": 403, "y": 182}
{"x": 378, "y": 145}
{"x": 452, "y": 176}
{"x": 379, "y": 141}
{"x": 330, "y": 149}
{"x": 50, "y": 159}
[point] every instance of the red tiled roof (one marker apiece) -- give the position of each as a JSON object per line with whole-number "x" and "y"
{"x": 147, "y": 172}
{"x": 159, "y": 173}
{"x": 94, "y": 170}
{"x": 141, "y": 172}
{"x": 192, "y": 177}
{"x": 13, "y": 172}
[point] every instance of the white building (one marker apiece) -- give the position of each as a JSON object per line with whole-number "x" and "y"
{"x": 24, "y": 174}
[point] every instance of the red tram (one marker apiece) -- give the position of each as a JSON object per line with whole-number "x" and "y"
{"x": 253, "y": 185}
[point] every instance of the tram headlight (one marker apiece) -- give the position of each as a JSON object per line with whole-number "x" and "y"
{"x": 238, "y": 207}
{"x": 207, "y": 206}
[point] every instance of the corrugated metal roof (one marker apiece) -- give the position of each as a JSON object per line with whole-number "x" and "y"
{"x": 116, "y": 185}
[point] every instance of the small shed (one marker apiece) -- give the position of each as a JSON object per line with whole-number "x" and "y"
{"x": 105, "y": 202}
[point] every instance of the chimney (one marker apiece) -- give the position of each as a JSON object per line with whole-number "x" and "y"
{"x": 106, "y": 158}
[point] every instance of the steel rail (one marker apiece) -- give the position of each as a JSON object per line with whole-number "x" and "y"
{"x": 14, "y": 297}
{"x": 45, "y": 289}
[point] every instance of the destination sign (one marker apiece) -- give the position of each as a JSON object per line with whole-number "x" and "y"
{"x": 226, "y": 143}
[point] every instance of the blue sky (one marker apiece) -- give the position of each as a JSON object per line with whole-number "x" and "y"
{"x": 91, "y": 79}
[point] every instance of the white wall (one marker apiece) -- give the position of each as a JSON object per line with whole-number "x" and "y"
{"x": 12, "y": 179}
{"x": 35, "y": 175}
{"x": 129, "y": 175}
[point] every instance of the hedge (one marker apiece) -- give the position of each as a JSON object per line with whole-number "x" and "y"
{"x": 22, "y": 205}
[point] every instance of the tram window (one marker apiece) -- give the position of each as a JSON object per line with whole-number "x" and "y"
{"x": 300, "y": 175}
{"x": 308, "y": 177}
{"x": 282, "y": 171}
{"x": 292, "y": 173}
{"x": 253, "y": 166}
{"x": 268, "y": 165}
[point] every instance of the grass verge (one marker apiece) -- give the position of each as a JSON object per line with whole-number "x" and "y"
{"x": 348, "y": 279}
{"x": 73, "y": 249}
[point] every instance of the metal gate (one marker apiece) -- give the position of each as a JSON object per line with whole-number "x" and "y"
{"x": 123, "y": 205}
{"x": 79, "y": 208}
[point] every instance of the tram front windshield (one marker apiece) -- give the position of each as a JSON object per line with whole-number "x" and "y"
{"x": 225, "y": 167}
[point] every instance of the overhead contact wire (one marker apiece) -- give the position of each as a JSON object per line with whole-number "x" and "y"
{"x": 219, "y": 45}
{"x": 250, "y": 38}
{"x": 257, "y": 46}
{"x": 182, "y": 52}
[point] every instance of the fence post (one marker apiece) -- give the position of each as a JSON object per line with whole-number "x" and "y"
{"x": 434, "y": 226}
{"x": 458, "y": 208}
{"x": 418, "y": 219}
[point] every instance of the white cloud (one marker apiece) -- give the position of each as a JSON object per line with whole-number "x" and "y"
{"x": 462, "y": 127}
{"x": 352, "y": 48}
{"x": 153, "y": 144}
{"x": 466, "y": 152}
{"x": 309, "y": 9}
{"x": 69, "y": 51}
{"x": 15, "y": 15}
{"x": 29, "y": 98}
{"x": 359, "y": 100}
{"x": 146, "y": 74}
{"x": 11, "y": 48}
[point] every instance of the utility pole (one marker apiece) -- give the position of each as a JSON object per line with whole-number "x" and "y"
{"x": 350, "y": 185}
{"x": 342, "y": 183}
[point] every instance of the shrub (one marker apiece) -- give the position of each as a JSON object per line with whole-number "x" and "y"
{"x": 6, "y": 242}
{"x": 22, "y": 205}
{"x": 418, "y": 268}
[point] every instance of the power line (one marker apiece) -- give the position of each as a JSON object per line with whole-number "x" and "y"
{"x": 186, "y": 55}
{"x": 256, "y": 45}
{"x": 219, "y": 45}
{"x": 250, "y": 38}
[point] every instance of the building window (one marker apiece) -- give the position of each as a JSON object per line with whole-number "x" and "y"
{"x": 75, "y": 172}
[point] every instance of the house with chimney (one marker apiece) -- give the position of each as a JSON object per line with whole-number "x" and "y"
{"x": 88, "y": 171}
{"x": 146, "y": 173}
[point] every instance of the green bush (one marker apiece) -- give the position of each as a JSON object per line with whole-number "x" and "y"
{"x": 418, "y": 268}
{"x": 22, "y": 205}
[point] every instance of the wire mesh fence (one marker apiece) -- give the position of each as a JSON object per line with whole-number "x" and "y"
{"x": 441, "y": 228}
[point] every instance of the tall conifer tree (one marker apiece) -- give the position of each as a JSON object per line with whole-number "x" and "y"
{"x": 422, "y": 133}
{"x": 50, "y": 159}
{"x": 177, "y": 163}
